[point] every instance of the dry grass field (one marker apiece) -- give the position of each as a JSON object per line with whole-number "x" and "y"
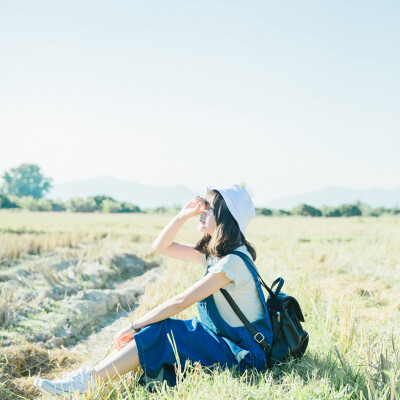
{"x": 345, "y": 272}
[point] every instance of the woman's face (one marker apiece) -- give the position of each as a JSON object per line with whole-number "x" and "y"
{"x": 207, "y": 222}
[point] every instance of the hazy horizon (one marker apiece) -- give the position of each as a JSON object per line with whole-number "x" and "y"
{"x": 145, "y": 195}
{"x": 200, "y": 191}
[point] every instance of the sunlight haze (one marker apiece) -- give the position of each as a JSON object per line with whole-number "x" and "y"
{"x": 287, "y": 97}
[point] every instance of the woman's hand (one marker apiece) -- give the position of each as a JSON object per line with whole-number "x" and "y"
{"x": 123, "y": 337}
{"x": 193, "y": 207}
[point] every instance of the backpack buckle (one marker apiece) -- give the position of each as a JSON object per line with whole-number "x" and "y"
{"x": 257, "y": 338}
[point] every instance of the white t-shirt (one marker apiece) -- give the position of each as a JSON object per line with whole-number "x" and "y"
{"x": 243, "y": 290}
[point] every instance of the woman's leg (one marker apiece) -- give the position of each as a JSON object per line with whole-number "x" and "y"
{"x": 125, "y": 360}
{"x": 111, "y": 355}
{"x": 117, "y": 363}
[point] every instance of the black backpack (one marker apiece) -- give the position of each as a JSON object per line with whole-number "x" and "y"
{"x": 289, "y": 337}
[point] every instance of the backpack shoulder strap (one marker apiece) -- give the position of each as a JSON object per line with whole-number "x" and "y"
{"x": 250, "y": 264}
{"x": 258, "y": 336}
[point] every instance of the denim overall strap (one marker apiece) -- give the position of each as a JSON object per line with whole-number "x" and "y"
{"x": 238, "y": 338}
{"x": 209, "y": 314}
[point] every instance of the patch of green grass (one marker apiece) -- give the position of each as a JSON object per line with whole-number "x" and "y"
{"x": 5, "y": 394}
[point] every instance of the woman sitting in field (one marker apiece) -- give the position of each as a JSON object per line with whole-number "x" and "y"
{"x": 219, "y": 336}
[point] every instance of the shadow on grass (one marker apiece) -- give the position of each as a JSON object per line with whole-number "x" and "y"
{"x": 312, "y": 368}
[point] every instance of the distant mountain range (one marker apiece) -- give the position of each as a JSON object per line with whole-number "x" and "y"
{"x": 156, "y": 196}
{"x": 141, "y": 195}
{"x": 336, "y": 195}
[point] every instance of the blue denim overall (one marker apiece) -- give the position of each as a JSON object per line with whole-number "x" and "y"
{"x": 209, "y": 342}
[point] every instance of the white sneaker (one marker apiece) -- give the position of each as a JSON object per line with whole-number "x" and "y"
{"x": 70, "y": 382}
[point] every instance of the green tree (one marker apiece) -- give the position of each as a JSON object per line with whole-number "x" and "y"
{"x": 31, "y": 204}
{"x": 129, "y": 208}
{"x": 328, "y": 211}
{"x": 366, "y": 209}
{"x": 395, "y": 210}
{"x": 349, "y": 210}
{"x": 5, "y": 202}
{"x": 99, "y": 201}
{"x": 77, "y": 204}
{"x": 263, "y": 211}
{"x": 306, "y": 210}
{"x": 378, "y": 211}
{"x": 111, "y": 206}
{"x": 26, "y": 180}
{"x": 280, "y": 213}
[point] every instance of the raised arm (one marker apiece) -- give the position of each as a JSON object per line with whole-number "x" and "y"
{"x": 165, "y": 244}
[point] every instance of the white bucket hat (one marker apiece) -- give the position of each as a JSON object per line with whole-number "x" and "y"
{"x": 239, "y": 204}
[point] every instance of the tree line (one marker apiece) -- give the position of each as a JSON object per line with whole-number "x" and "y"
{"x": 25, "y": 187}
{"x": 344, "y": 210}
{"x": 76, "y": 204}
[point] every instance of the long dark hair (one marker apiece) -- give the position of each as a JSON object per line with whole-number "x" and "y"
{"x": 227, "y": 235}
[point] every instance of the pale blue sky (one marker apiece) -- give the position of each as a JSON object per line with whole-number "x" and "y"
{"x": 287, "y": 96}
